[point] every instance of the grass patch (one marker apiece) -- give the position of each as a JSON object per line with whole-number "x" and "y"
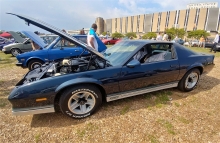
{"x": 3, "y": 102}
{"x": 177, "y": 104}
{"x": 37, "y": 138}
{"x": 125, "y": 110}
{"x": 167, "y": 125}
{"x": 6, "y": 60}
{"x": 88, "y": 128}
{"x": 206, "y": 51}
{"x": 162, "y": 97}
{"x": 183, "y": 120}
{"x": 153, "y": 139}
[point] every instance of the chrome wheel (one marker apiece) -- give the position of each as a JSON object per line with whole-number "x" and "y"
{"x": 15, "y": 52}
{"x": 36, "y": 65}
{"x": 191, "y": 80}
{"x": 81, "y": 102}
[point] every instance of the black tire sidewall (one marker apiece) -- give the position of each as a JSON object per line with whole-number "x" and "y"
{"x": 182, "y": 82}
{"x": 69, "y": 92}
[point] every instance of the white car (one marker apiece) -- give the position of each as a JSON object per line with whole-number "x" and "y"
{"x": 194, "y": 43}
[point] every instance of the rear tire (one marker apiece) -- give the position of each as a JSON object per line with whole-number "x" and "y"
{"x": 15, "y": 52}
{"x": 80, "y": 101}
{"x": 108, "y": 43}
{"x": 34, "y": 64}
{"x": 189, "y": 80}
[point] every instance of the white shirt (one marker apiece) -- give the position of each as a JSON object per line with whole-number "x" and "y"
{"x": 216, "y": 38}
{"x": 89, "y": 36}
{"x": 159, "y": 38}
{"x": 165, "y": 37}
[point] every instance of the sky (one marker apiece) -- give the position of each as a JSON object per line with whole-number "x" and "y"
{"x": 78, "y": 14}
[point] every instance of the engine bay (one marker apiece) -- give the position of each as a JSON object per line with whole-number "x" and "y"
{"x": 64, "y": 66}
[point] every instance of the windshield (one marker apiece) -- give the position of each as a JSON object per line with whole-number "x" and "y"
{"x": 26, "y": 41}
{"x": 53, "y": 43}
{"x": 118, "y": 53}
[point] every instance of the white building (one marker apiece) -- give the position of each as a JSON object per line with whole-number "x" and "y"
{"x": 75, "y": 32}
{"x": 202, "y": 5}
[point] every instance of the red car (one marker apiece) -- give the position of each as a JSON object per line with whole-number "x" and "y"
{"x": 110, "y": 41}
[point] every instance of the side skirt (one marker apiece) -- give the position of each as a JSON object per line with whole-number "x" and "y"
{"x": 126, "y": 94}
{"x": 33, "y": 110}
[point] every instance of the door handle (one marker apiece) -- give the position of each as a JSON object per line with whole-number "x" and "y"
{"x": 76, "y": 50}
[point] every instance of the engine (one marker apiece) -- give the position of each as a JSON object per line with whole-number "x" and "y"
{"x": 72, "y": 65}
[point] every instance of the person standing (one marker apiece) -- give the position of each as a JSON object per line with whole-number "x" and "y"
{"x": 82, "y": 32}
{"x": 159, "y": 37}
{"x": 34, "y": 45}
{"x": 202, "y": 42}
{"x": 94, "y": 41}
{"x": 165, "y": 37}
{"x": 216, "y": 41}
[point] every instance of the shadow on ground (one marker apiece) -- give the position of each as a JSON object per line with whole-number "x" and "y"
{"x": 121, "y": 107}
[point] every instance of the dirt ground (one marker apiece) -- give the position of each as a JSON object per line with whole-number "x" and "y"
{"x": 166, "y": 116}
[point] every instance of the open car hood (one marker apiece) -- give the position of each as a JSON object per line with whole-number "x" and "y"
{"x": 59, "y": 32}
{"x": 17, "y": 37}
{"x": 34, "y": 37}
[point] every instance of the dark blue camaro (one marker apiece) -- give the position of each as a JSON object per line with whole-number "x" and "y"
{"x": 78, "y": 86}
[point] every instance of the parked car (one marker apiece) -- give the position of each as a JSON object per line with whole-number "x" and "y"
{"x": 50, "y": 52}
{"x": 110, "y": 41}
{"x": 125, "y": 38}
{"x": 195, "y": 43}
{"x": 22, "y": 45}
{"x": 180, "y": 41}
{"x": 4, "y": 42}
{"x": 79, "y": 85}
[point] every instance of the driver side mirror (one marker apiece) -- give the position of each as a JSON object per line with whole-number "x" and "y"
{"x": 133, "y": 63}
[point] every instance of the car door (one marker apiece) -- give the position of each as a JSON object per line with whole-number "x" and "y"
{"x": 151, "y": 72}
{"x": 65, "y": 50}
{"x": 27, "y": 46}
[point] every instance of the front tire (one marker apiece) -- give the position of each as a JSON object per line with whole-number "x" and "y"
{"x": 189, "y": 80}
{"x": 80, "y": 101}
{"x": 15, "y": 52}
{"x": 34, "y": 64}
{"x": 108, "y": 43}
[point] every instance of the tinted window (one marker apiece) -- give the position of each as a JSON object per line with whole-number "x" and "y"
{"x": 156, "y": 52}
{"x": 83, "y": 39}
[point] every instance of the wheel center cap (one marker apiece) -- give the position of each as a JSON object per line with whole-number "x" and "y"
{"x": 82, "y": 102}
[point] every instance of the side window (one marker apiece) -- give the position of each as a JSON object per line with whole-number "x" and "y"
{"x": 83, "y": 39}
{"x": 64, "y": 43}
{"x": 155, "y": 52}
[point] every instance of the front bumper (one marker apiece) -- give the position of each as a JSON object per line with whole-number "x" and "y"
{"x": 33, "y": 110}
{"x": 5, "y": 51}
{"x": 20, "y": 65}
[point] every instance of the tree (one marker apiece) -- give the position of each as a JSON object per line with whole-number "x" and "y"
{"x": 197, "y": 34}
{"x": 149, "y": 35}
{"x": 131, "y": 34}
{"x": 117, "y": 35}
{"x": 104, "y": 33}
{"x": 173, "y": 32}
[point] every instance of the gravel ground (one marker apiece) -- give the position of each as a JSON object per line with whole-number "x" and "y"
{"x": 167, "y": 116}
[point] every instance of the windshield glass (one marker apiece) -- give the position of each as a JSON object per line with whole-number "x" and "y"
{"x": 118, "y": 53}
{"x": 26, "y": 41}
{"x": 53, "y": 43}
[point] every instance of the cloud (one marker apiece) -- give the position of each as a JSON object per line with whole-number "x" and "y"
{"x": 75, "y": 14}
